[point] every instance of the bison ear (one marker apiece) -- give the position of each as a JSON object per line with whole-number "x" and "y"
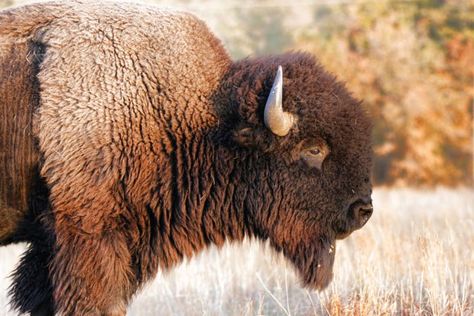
{"x": 253, "y": 137}
{"x": 245, "y": 136}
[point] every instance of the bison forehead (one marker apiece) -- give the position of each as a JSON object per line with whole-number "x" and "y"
{"x": 326, "y": 109}
{"x": 322, "y": 103}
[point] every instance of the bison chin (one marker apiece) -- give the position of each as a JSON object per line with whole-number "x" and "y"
{"x": 314, "y": 262}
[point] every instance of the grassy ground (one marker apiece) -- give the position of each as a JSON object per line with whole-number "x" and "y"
{"x": 414, "y": 257}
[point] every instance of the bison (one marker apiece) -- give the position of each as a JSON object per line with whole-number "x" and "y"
{"x": 130, "y": 140}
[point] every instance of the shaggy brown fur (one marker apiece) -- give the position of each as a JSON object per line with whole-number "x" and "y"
{"x": 18, "y": 157}
{"x": 153, "y": 146}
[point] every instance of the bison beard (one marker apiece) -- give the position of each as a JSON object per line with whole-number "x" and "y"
{"x": 143, "y": 143}
{"x": 314, "y": 263}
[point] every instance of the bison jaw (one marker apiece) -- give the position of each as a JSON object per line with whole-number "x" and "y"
{"x": 313, "y": 262}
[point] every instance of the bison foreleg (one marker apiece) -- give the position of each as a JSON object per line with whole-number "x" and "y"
{"x": 91, "y": 274}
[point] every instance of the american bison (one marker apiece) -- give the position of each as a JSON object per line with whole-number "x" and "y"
{"x": 130, "y": 140}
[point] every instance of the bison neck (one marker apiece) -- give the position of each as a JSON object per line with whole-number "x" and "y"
{"x": 203, "y": 186}
{"x": 198, "y": 200}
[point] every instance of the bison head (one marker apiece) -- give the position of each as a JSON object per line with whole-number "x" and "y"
{"x": 304, "y": 148}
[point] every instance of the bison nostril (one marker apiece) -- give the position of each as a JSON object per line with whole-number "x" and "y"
{"x": 362, "y": 213}
{"x": 365, "y": 212}
{"x": 356, "y": 215}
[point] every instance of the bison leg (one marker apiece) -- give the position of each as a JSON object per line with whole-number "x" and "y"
{"x": 31, "y": 290}
{"x": 45, "y": 309}
{"x": 91, "y": 274}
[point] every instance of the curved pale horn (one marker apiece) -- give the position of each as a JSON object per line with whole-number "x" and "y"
{"x": 275, "y": 119}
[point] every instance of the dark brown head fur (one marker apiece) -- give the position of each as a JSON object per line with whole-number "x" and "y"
{"x": 301, "y": 209}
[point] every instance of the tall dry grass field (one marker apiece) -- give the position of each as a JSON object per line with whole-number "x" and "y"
{"x": 414, "y": 257}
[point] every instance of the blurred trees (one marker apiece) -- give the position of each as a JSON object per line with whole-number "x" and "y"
{"x": 6, "y": 3}
{"x": 412, "y": 62}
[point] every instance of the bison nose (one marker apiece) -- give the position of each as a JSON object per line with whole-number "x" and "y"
{"x": 360, "y": 212}
{"x": 355, "y": 216}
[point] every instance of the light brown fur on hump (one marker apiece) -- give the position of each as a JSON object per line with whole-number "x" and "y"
{"x": 117, "y": 97}
{"x": 113, "y": 86}
{"x": 104, "y": 82}
{"x": 122, "y": 86}
{"x": 18, "y": 157}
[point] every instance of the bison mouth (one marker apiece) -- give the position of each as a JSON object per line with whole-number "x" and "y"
{"x": 314, "y": 262}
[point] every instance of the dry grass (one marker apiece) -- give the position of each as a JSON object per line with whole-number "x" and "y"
{"x": 414, "y": 257}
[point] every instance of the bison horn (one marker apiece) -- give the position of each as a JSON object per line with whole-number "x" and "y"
{"x": 278, "y": 121}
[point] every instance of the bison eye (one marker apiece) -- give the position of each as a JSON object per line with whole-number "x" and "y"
{"x": 314, "y": 151}
{"x": 314, "y": 156}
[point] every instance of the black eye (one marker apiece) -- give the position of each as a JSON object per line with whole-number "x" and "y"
{"x": 314, "y": 151}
